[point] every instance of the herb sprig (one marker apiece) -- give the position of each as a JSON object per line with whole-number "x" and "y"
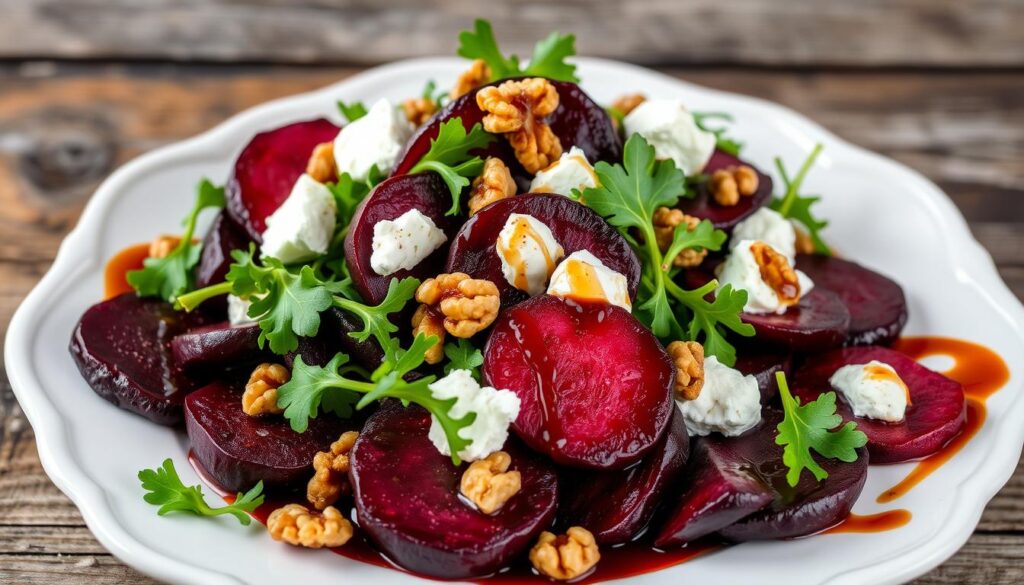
{"x": 548, "y": 60}
{"x": 449, "y": 156}
{"x": 722, "y": 141}
{"x": 794, "y": 206}
{"x": 165, "y": 489}
{"x": 463, "y": 355}
{"x": 352, "y": 111}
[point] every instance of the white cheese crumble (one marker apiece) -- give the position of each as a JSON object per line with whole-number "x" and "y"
{"x": 740, "y": 270}
{"x": 768, "y": 226}
{"x": 583, "y": 276}
{"x": 729, "y": 402}
{"x": 670, "y": 128}
{"x": 238, "y": 311}
{"x": 528, "y": 252}
{"x": 404, "y": 242}
{"x": 301, "y": 229}
{"x": 375, "y": 139}
{"x": 571, "y": 171}
{"x": 873, "y": 390}
{"x": 495, "y": 410}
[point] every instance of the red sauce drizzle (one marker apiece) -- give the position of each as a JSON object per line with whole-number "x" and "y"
{"x": 115, "y": 280}
{"x": 881, "y": 522}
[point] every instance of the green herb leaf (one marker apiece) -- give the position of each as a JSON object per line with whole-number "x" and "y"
{"x": 481, "y": 44}
{"x": 548, "y": 58}
{"x": 463, "y": 355}
{"x": 348, "y": 194}
{"x": 703, "y": 236}
{"x": 377, "y": 319}
{"x": 723, "y": 142}
{"x": 312, "y": 386}
{"x": 449, "y": 156}
{"x": 165, "y": 489}
{"x": 794, "y": 206}
{"x": 353, "y": 111}
{"x": 810, "y": 427}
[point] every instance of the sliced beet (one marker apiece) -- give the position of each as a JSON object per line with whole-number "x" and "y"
{"x": 238, "y": 450}
{"x": 594, "y": 383}
{"x": 408, "y": 502}
{"x": 936, "y": 414}
{"x": 574, "y": 226}
{"x": 763, "y": 364}
{"x": 267, "y": 169}
{"x": 703, "y": 205}
{"x": 628, "y": 499}
{"x": 122, "y": 347}
{"x": 877, "y": 305}
{"x": 817, "y": 323}
{"x": 223, "y": 237}
{"x": 390, "y": 199}
{"x": 217, "y": 346}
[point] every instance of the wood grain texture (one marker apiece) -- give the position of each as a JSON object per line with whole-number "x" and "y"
{"x": 965, "y": 33}
{"x": 63, "y": 128}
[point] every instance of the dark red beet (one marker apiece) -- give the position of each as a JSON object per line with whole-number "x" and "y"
{"x": 218, "y": 345}
{"x": 617, "y": 505}
{"x": 936, "y": 414}
{"x": 390, "y": 199}
{"x": 122, "y": 348}
{"x": 817, "y": 323}
{"x": 595, "y": 385}
{"x": 877, "y": 306}
{"x": 763, "y": 364}
{"x": 239, "y": 450}
{"x": 407, "y": 500}
{"x": 574, "y": 226}
{"x": 703, "y": 205}
{"x": 267, "y": 169}
{"x": 223, "y": 237}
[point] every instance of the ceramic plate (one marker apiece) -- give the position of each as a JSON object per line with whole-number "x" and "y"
{"x": 883, "y": 215}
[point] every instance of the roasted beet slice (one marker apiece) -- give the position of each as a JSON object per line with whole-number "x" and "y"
{"x": 817, "y": 323}
{"x": 267, "y": 169}
{"x": 595, "y": 384}
{"x": 628, "y": 498}
{"x": 238, "y": 450}
{"x": 407, "y": 500}
{"x": 122, "y": 348}
{"x": 390, "y": 199}
{"x": 763, "y": 364}
{"x": 877, "y": 305}
{"x": 574, "y": 226}
{"x": 218, "y": 345}
{"x": 703, "y": 205}
{"x": 223, "y": 237}
{"x": 936, "y": 414}
{"x": 578, "y": 121}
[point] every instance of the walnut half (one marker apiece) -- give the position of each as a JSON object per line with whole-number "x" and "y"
{"x": 689, "y": 359}
{"x": 260, "y": 396}
{"x": 321, "y": 166}
{"x": 777, "y": 273}
{"x": 331, "y": 472}
{"x": 454, "y": 303}
{"x": 494, "y": 184}
{"x": 729, "y": 184}
{"x": 567, "y": 556}
{"x": 517, "y": 109}
{"x": 298, "y": 526}
{"x": 489, "y": 484}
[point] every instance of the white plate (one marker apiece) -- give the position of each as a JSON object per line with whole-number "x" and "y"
{"x": 882, "y": 214}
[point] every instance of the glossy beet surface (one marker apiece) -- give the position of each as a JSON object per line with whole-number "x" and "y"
{"x": 703, "y": 205}
{"x": 877, "y": 305}
{"x": 617, "y": 505}
{"x": 817, "y": 323}
{"x": 223, "y": 237}
{"x": 573, "y": 225}
{"x": 594, "y": 384}
{"x": 390, "y": 199}
{"x": 936, "y": 413}
{"x": 578, "y": 121}
{"x": 267, "y": 168}
{"x": 763, "y": 365}
{"x": 333, "y": 337}
{"x": 217, "y": 346}
{"x": 407, "y": 500}
{"x": 122, "y": 348}
{"x": 238, "y": 450}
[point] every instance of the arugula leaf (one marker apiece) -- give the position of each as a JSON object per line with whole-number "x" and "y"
{"x": 165, "y": 489}
{"x": 348, "y": 194}
{"x": 703, "y": 236}
{"x": 353, "y": 111}
{"x": 312, "y": 386}
{"x": 794, "y": 206}
{"x": 463, "y": 355}
{"x": 548, "y": 58}
{"x": 376, "y": 320}
{"x": 813, "y": 426}
{"x": 172, "y": 275}
{"x": 449, "y": 156}
{"x": 481, "y": 44}
{"x": 722, "y": 141}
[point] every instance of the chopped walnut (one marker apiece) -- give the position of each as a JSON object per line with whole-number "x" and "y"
{"x": 689, "y": 359}
{"x": 331, "y": 472}
{"x": 489, "y": 484}
{"x": 467, "y": 305}
{"x": 494, "y": 183}
{"x": 260, "y": 396}
{"x": 777, "y": 273}
{"x": 517, "y": 109}
{"x": 419, "y": 110}
{"x": 162, "y": 246}
{"x": 477, "y": 74}
{"x": 298, "y": 526}
{"x": 665, "y": 222}
{"x": 567, "y": 556}
{"x": 804, "y": 243}
{"x": 729, "y": 184}
{"x": 628, "y": 102}
{"x": 321, "y": 165}
{"x": 430, "y": 324}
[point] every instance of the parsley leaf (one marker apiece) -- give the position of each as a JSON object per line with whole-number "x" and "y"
{"x": 723, "y": 142}
{"x": 348, "y": 194}
{"x": 813, "y": 426}
{"x": 548, "y": 58}
{"x": 463, "y": 355}
{"x": 376, "y": 319}
{"x": 449, "y": 156}
{"x": 165, "y": 489}
{"x": 480, "y": 43}
{"x": 353, "y": 111}
{"x": 172, "y": 275}
{"x": 703, "y": 236}
{"x": 794, "y": 206}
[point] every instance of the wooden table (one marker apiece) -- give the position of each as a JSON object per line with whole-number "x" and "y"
{"x": 86, "y": 86}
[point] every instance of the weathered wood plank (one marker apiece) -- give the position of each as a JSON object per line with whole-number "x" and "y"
{"x": 969, "y": 33}
{"x": 40, "y": 569}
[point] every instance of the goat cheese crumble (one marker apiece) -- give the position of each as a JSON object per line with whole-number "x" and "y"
{"x": 741, "y": 270}
{"x": 495, "y": 410}
{"x": 670, "y": 128}
{"x": 729, "y": 402}
{"x": 238, "y": 311}
{"x": 404, "y": 242}
{"x": 770, "y": 227}
{"x": 583, "y": 276}
{"x": 302, "y": 228}
{"x": 873, "y": 390}
{"x": 528, "y": 252}
{"x": 376, "y": 139}
{"x": 571, "y": 171}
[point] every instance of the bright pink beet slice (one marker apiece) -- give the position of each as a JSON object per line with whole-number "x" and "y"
{"x": 122, "y": 348}
{"x": 238, "y": 450}
{"x": 218, "y": 346}
{"x": 407, "y": 500}
{"x": 595, "y": 385}
{"x": 703, "y": 205}
{"x": 937, "y": 412}
{"x": 574, "y": 226}
{"x": 817, "y": 323}
{"x": 763, "y": 364}
{"x": 877, "y": 305}
{"x": 616, "y": 506}
{"x": 390, "y": 199}
{"x": 267, "y": 169}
